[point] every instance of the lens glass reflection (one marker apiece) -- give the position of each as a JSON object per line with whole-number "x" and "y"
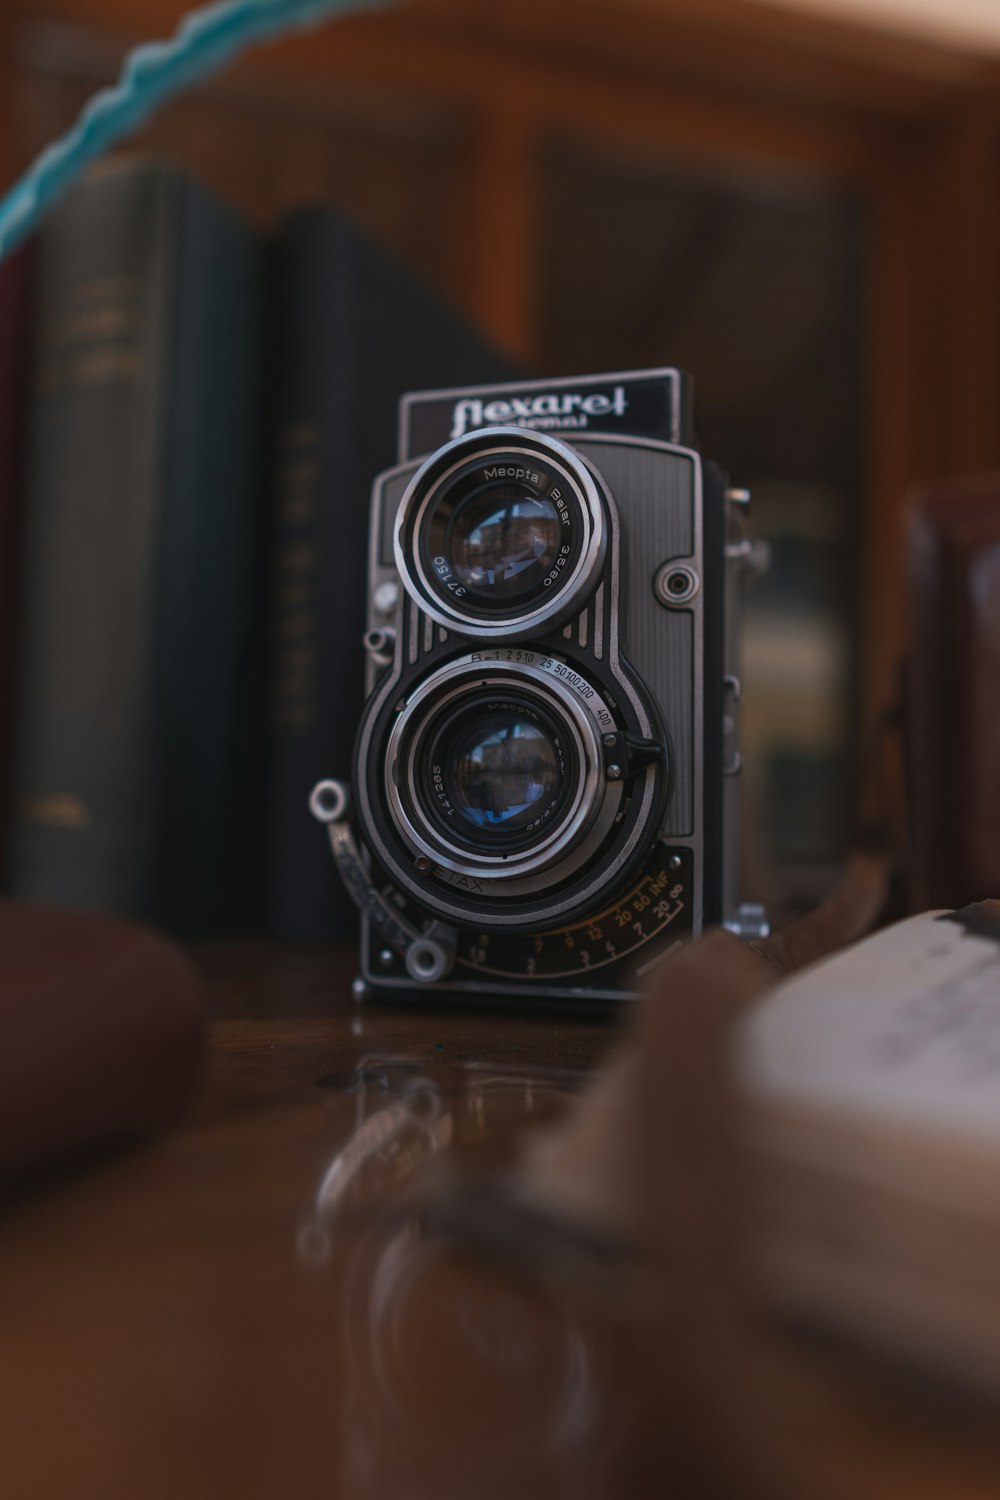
{"x": 502, "y": 769}
{"x": 503, "y": 539}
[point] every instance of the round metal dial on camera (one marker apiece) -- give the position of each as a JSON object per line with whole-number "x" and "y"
{"x": 675, "y": 584}
{"x": 501, "y": 533}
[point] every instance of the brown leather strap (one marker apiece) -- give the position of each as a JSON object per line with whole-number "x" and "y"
{"x": 847, "y": 914}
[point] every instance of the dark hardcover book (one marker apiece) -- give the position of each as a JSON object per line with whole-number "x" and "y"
{"x": 351, "y": 331}
{"x": 14, "y": 293}
{"x": 138, "y": 555}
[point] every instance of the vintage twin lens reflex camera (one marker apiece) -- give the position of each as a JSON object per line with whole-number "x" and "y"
{"x": 544, "y": 795}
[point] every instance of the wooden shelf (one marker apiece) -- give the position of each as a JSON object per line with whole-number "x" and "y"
{"x": 732, "y": 86}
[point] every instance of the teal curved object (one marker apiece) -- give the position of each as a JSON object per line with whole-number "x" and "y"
{"x": 206, "y": 40}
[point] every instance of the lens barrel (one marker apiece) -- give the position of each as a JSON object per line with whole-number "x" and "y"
{"x": 496, "y": 771}
{"x": 499, "y": 767}
{"x": 501, "y": 533}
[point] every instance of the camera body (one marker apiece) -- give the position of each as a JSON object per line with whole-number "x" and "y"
{"x": 544, "y": 796}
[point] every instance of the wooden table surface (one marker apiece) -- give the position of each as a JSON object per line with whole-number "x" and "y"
{"x": 230, "y": 1311}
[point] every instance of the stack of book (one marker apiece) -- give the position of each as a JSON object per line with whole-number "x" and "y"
{"x": 190, "y": 420}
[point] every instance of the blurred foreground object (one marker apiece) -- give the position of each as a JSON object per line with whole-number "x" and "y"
{"x": 849, "y": 911}
{"x": 953, "y": 698}
{"x": 633, "y": 1210}
{"x": 871, "y": 1127}
{"x": 296, "y": 1255}
{"x": 829, "y": 1158}
{"x": 101, "y": 1034}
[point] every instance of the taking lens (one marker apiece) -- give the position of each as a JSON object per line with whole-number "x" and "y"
{"x": 495, "y": 772}
{"x": 498, "y": 773}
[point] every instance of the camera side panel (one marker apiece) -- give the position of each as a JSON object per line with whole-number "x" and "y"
{"x": 658, "y": 492}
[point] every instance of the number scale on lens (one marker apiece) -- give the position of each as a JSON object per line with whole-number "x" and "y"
{"x": 658, "y": 900}
{"x": 599, "y": 954}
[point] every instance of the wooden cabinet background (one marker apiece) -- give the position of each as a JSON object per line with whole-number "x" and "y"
{"x": 525, "y": 158}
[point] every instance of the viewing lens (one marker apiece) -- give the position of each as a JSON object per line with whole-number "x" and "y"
{"x": 502, "y": 534}
{"x": 503, "y": 539}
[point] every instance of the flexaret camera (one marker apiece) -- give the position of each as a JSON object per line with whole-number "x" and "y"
{"x": 543, "y": 800}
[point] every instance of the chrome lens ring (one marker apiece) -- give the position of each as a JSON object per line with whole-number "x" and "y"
{"x": 570, "y": 495}
{"x": 562, "y": 695}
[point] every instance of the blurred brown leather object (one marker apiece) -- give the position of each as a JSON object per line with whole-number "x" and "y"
{"x": 101, "y": 1027}
{"x": 849, "y": 912}
{"x": 953, "y": 694}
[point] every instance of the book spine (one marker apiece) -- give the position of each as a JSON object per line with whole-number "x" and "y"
{"x": 313, "y": 652}
{"x": 205, "y": 761}
{"x": 131, "y": 544}
{"x": 353, "y": 331}
{"x": 14, "y": 294}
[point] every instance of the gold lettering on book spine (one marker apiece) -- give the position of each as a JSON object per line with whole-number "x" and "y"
{"x": 92, "y": 340}
{"x": 54, "y": 810}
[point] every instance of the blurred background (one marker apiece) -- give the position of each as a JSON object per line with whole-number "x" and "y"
{"x": 797, "y": 202}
